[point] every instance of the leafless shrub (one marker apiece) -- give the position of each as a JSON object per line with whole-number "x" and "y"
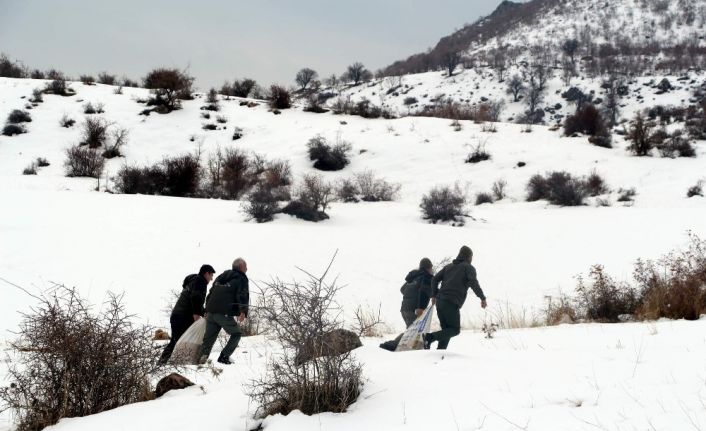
{"x": 444, "y": 203}
{"x": 37, "y": 96}
{"x": 261, "y": 204}
{"x": 366, "y": 187}
{"x": 328, "y": 157}
{"x": 311, "y": 199}
{"x": 13, "y": 129}
{"x": 562, "y": 309}
{"x": 325, "y": 383}
{"x": 42, "y": 162}
{"x": 90, "y": 108}
{"x": 58, "y": 87}
{"x": 212, "y": 101}
{"x": 368, "y": 322}
{"x": 71, "y": 361}
{"x": 119, "y": 137}
{"x": 484, "y": 198}
{"x": 279, "y": 97}
{"x": 95, "y": 132}
{"x": 17, "y": 116}
{"x": 82, "y": 161}
{"x": 626, "y": 195}
{"x": 30, "y": 170}
{"x": 673, "y": 286}
{"x": 66, "y": 121}
{"x": 604, "y": 299}
{"x": 87, "y": 80}
{"x": 498, "y": 189}
{"x": 106, "y": 78}
{"x": 696, "y": 189}
{"x": 478, "y": 154}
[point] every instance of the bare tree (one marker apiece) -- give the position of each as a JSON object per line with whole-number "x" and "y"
{"x": 500, "y": 64}
{"x": 356, "y": 72}
{"x": 515, "y": 87}
{"x": 450, "y": 59}
{"x": 167, "y": 85}
{"x": 305, "y": 76}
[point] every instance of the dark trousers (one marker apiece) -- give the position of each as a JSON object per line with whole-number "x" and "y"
{"x": 409, "y": 317}
{"x": 450, "y": 320}
{"x": 214, "y": 323}
{"x": 179, "y": 324}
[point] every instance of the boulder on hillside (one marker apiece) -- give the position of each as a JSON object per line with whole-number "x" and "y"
{"x": 334, "y": 343}
{"x": 172, "y": 382}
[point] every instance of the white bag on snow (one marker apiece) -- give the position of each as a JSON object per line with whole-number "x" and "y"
{"x": 187, "y": 350}
{"x": 412, "y": 337}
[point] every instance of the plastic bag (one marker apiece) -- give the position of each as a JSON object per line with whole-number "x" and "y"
{"x": 187, "y": 350}
{"x": 412, "y": 337}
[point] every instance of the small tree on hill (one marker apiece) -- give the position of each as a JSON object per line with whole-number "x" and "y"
{"x": 640, "y": 136}
{"x": 168, "y": 86}
{"x": 357, "y": 73}
{"x": 305, "y": 76}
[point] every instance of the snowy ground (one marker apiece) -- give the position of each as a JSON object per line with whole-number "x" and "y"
{"x": 643, "y": 376}
{"x": 57, "y": 229}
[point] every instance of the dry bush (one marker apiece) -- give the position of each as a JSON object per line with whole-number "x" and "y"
{"x": 30, "y": 170}
{"x": 676, "y": 145}
{"x": 641, "y": 136}
{"x": 106, "y": 78}
{"x": 326, "y": 383}
{"x": 82, "y": 161}
{"x": 11, "y": 69}
{"x": 368, "y": 322}
{"x": 66, "y": 121}
{"x": 90, "y": 108}
{"x": 484, "y": 198}
{"x": 42, "y": 162}
{"x": 73, "y": 361}
{"x": 37, "y": 96}
{"x": 279, "y": 97}
{"x": 13, "y": 129}
{"x": 119, "y": 137}
{"x": 478, "y": 154}
{"x": 696, "y": 190}
{"x": 444, "y": 203}
{"x": 328, "y": 157}
{"x": 603, "y": 299}
{"x": 242, "y": 88}
{"x": 311, "y": 199}
{"x": 261, "y": 204}
{"x": 626, "y": 195}
{"x": 483, "y": 112}
{"x": 675, "y": 285}
{"x": 95, "y": 132}
{"x": 562, "y": 309}
{"x": 498, "y": 189}
{"x": 17, "y": 116}
{"x": 58, "y": 87}
{"x": 174, "y": 176}
{"x": 87, "y": 80}
{"x": 561, "y": 188}
{"x": 212, "y": 101}
{"x": 365, "y": 186}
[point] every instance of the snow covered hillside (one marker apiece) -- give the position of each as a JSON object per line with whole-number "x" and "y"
{"x": 59, "y": 229}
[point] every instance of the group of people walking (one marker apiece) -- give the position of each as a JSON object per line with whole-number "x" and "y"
{"x": 226, "y": 304}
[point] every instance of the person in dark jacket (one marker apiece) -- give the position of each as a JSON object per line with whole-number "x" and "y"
{"x": 416, "y": 293}
{"x": 455, "y": 279}
{"x": 189, "y": 306}
{"x": 227, "y": 301}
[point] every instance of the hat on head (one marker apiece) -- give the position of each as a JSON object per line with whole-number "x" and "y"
{"x": 465, "y": 253}
{"x": 425, "y": 263}
{"x": 206, "y": 268}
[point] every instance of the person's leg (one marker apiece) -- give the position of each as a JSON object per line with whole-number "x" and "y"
{"x": 211, "y": 334}
{"x": 179, "y": 325}
{"x": 451, "y": 325}
{"x": 231, "y": 327}
{"x": 409, "y": 317}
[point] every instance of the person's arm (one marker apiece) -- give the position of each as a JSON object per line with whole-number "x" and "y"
{"x": 472, "y": 280}
{"x": 435, "y": 283}
{"x": 198, "y": 296}
{"x": 424, "y": 294}
{"x": 242, "y": 295}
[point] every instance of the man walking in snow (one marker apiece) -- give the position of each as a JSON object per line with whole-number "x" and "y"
{"x": 416, "y": 293}
{"x": 227, "y": 301}
{"x": 189, "y": 306}
{"x": 455, "y": 279}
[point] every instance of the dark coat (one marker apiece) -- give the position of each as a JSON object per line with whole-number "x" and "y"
{"x": 416, "y": 290}
{"x": 230, "y": 294}
{"x": 455, "y": 279}
{"x": 192, "y": 296}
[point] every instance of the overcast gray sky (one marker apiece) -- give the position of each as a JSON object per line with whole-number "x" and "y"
{"x": 268, "y": 40}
